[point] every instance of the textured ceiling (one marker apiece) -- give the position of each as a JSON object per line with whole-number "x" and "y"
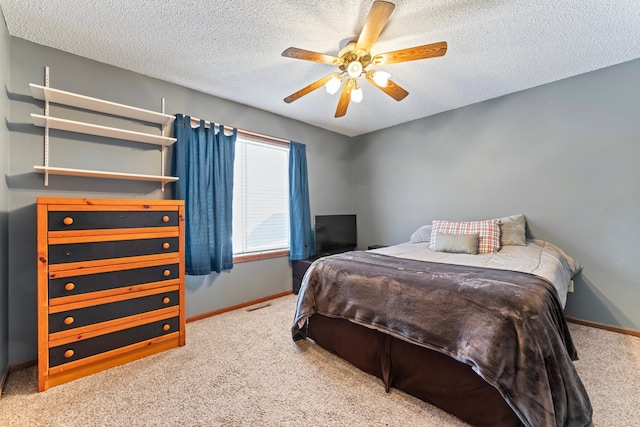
{"x": 232, "y": 48}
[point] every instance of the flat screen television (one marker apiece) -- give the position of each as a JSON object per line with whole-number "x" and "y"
{"x": 335, "y": 234}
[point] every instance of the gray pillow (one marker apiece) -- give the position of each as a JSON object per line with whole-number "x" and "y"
{"x": 422, "y": 234}
{"x": 512, "y": 230}
{"x": 457, "y": 243}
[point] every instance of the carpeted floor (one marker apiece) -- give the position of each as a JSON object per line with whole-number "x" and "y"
{"x": 242, "y": 369}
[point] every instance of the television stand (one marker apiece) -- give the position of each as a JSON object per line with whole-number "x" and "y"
{"x": 299, "y": 267}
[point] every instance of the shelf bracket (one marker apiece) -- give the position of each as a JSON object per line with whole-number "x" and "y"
{"x": 163, "y": 150}
{"x": 46, "y": 129}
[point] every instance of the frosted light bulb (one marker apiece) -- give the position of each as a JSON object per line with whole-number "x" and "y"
{"x": 356, "y": 95}
{"x": 333, "y": 85}
{"x": 381, "y": 78}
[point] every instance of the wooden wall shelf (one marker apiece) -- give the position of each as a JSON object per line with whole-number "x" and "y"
{"x": 100, "y": 106}
{"x": 103, "y": 174}
{"x": 71, "y": 99}
{"x": 98, "y": 130}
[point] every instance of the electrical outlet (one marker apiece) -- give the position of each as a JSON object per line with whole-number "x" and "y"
{"x": 570, "y": 288}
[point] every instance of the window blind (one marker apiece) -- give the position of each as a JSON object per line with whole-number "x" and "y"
{"x": 260, "y": 197}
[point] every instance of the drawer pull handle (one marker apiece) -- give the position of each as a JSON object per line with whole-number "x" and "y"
{"x": 69, "y": 286}
{"x": 165, "y": 218}
{"x": 166, "y": 273}
{"x": 166, "y": 300}
{"x": 68, "y": 320}
{"x": 165, "y": 245}
{"x": 69, "y": 353}
{"x": 67, "y": 220}
{"x": 166, "y": 327}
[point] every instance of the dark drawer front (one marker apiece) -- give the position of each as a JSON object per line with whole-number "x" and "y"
{"x": 83, "y": 220}
{"x": 112, "y": 341}
{"x": 76, "y": 252}
{"x": 76, "y": 285}
{"x": 115, "y": 310}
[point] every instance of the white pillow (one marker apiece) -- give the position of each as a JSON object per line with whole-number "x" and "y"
{"x": 422, "y": 234}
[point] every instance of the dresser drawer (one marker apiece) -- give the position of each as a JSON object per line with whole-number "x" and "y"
{"x": 91, "y": 346}
{"x": 101, "y": 313}
{"x": 89, "y": 220}
{"x": 77, "y": 252}
{"x": 87, "y": 283}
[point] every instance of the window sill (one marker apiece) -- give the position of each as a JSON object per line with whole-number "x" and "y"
{"x": 255, "y": 256}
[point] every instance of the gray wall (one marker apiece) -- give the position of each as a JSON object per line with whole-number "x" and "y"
{"x": 564, "y": 154}
{"x": 328, "y": 162}
{"x": 4, "y": 194}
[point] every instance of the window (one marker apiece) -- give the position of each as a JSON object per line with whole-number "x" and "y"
{"x": 260, "y": 197}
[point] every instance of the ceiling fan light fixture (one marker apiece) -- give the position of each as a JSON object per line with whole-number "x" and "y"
{"x": 354, "y": 60}
{"x": 354, "y": 69}
{"x": 356, "y": 94}
{"x": 333, "y": 85}
{"x": 381, "y": 78}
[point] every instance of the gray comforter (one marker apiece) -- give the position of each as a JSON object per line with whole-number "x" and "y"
{"x": 508, "y": 326}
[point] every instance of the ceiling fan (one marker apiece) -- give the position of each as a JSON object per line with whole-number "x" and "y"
{"x": 355, "y": 60}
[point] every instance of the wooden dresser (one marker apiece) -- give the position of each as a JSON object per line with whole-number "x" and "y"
{"x": 110, "y": 283}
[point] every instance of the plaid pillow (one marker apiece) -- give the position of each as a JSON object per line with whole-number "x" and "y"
{"x": 489, "y": 231}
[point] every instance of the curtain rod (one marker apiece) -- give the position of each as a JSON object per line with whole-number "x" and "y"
{"x": 248, "y": 133}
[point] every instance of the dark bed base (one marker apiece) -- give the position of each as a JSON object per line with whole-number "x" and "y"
{"x": 426, "y": 374}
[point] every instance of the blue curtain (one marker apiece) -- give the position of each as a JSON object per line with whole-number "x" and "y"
{"x": 203, "y": 162}
{"x": 301, "y": 243}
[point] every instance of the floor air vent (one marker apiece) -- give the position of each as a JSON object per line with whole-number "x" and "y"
{"x": 258, "y": 307}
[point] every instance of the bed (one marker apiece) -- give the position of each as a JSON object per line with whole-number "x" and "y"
{"x": 482, "y": 336}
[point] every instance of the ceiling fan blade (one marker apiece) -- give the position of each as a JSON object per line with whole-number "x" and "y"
{"x": 391, "y": 89}
{"x": 308, "y": 55}
{"x": 378, "y": 17}
{"x": 305, "y": 90}
{"x": 345, "y": 97}
{"x": 432, "y": 50}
